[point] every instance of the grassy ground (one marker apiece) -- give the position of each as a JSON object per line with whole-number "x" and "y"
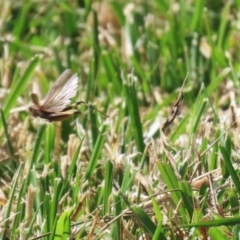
{"x": 156, "y": 167}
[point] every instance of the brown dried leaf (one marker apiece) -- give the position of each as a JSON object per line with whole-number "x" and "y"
{"x": 177, "y": 108}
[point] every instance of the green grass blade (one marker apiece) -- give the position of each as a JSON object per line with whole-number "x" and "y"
{"x": 19, "y": 86}
{"x": 197, "y": 117}
{"x": 95, "y": 43}
{"x": 89, "y": 96}
{"x": 55, "y": 201}
{"x": 111, "y": 72}
{"x": 227, "y": 160}
{"x": 171, "y": 181}
{"x": 214, "y": 156}
{"x": 196, "y": 22}
{"x": 116, "y": 226}
{"x": 63, "y": 228}
{"x": 20, "y": 210}
{"x": 132, "y": 104}
{"x": 223, "y": 29}
{"x": 96, "y": 152}
{"x": 10, "y": 203}
{"x": 9, "y": 145}
{"x": 159, "y": 233}
{"x": 107, "y": 186}
{"x": 187, "y": 197}
{"x": 117, "y": 7}
{"x": 128, "y": 178}
{"x": 216, "y": 233}
{"x": 162, "y": 5}
{"x": 49, "y": 143}
{"x": 36, "y": 149}
{"x": 22, "y": 22}
{"x": 216, "y": 222}
{"x": 144, "y": 219}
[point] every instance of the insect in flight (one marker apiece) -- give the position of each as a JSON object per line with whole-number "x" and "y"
{"x": 55, "y": 105}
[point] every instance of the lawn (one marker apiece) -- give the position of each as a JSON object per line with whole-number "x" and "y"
{"x": 152, "y": 151}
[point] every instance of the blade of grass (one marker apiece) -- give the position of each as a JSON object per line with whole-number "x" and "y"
{"x": 49, "y": 142}
{"x": 95, "y": 43}
{"x": 117, "y": 8}
{"x": 71, "y": 169}
{"x": 198, "y": 115}
{"x": 19, "y": 86}
{"x": 36, "y": 150}
{"x": 171, "y": 181}
{"x": 22, "y": 22}
{"x": 223, "y": 28}
{"x": 20, "y": 209}
{"x": 96, "y": 151}
{"x": 196, "y": 22}
{"x": 55, "y": 201}
{"x": 213, "y": 223}
{"x": 216, "y": 233}
{"x": 116, "y": 226}
{"x": 214, "y": 156}
{"x": 159, "y": 233}
{"x": 10, "y": 203}
{"x": 227, "y": 160}
{"x": 128, "y": 178}
{"x": 9, "y": 145}
{"x": 187, "y": 197}
{"x": 233, "y": 199}
{"x": 58, "y": 61}
{"x": 89, "y": 96}
{"x": 163, "y": 6}
{"x": 145, "y": 221}
{"x": 63, "y": 227}
{"x": 46, "y": 208}
{"x": 153, "y": 57}
{"x": 132, "y": 104}
{"x": 107, "y": 186}
{"x": 38, "y": 199}
{"x": 111, "y": 72}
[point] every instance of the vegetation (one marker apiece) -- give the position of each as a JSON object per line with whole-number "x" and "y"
{"x": 138, "y": 162}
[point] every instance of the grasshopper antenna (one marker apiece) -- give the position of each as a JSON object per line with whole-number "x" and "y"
{"x": 92, "y": 107}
